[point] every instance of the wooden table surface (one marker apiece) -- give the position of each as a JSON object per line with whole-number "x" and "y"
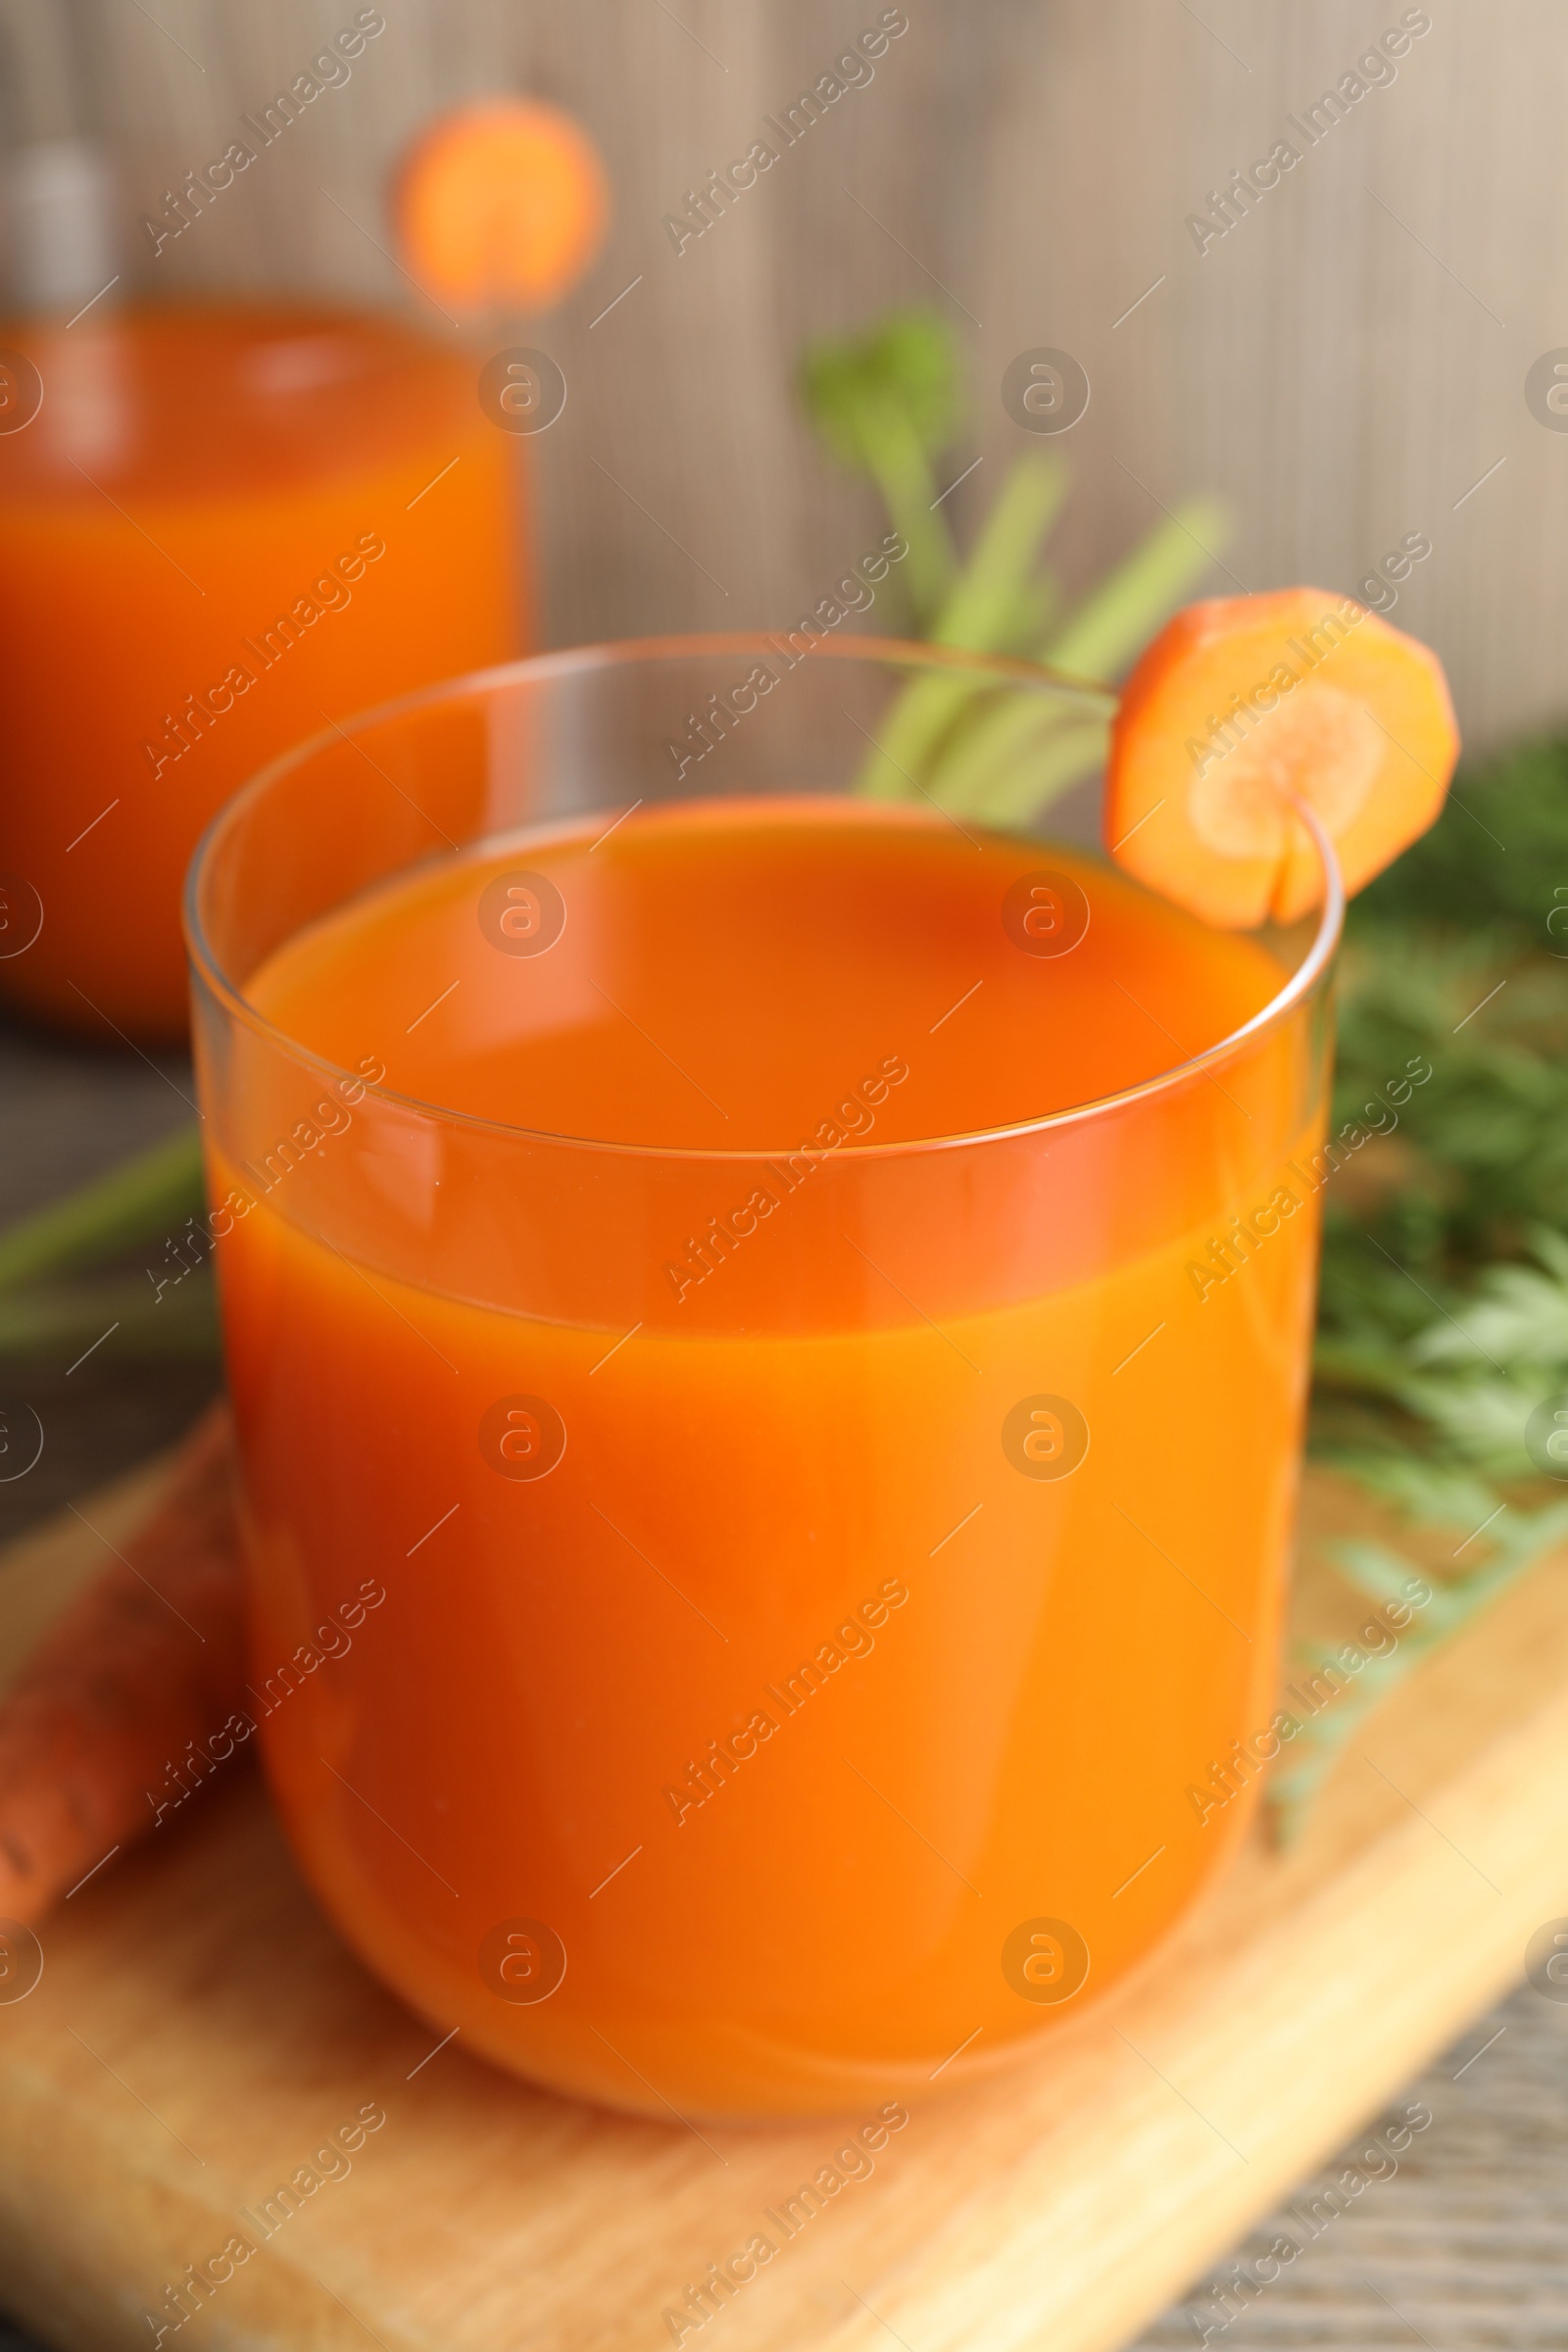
{"x": 1465, "y": 2247}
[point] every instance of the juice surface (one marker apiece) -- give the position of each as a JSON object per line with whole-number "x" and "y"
{"x": 777, "y": 1687}
{"x": 212, "y": 540}
{"x": 717, "y": 978}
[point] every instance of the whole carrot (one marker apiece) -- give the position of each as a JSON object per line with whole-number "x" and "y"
{"x": 144, "y": 1665}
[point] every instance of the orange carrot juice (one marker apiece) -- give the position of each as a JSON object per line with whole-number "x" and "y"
{"x": 761, "y": 1506}
{"x": 223, "y": 526}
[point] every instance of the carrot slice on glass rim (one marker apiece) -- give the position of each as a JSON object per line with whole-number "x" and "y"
{"x": 1242, "y": 704}
{"x": 501, "y": 204}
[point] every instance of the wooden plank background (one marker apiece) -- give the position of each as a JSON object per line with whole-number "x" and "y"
{"x": 1344, "y": 366}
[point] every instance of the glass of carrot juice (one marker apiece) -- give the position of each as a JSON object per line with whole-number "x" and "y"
{"x": 769, "y": 1328}
{"x": 221, "y": 524}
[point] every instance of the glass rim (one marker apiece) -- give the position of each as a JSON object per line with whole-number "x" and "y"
{"x": 617, "y": 653}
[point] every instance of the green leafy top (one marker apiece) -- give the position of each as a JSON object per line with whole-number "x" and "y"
{"x": 887, "y": 403}
{"x": 1497, "y": 862}
{"x": 906, "y": 368}
{"x": 1443, "y": 1317}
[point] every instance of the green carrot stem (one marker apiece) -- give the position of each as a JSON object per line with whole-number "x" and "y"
{"x": 984, "y": 765}
{"x": 55, "y": 1322}
{"x": 899, "y": 466}
{"x": 980, "y": 768}
{"x": 1115, "y": 619}
{"x": 1034, "y": 777}
{"x": 985, "y": 597}
{"x": 976, "y": 614}
{"x": 926, "y": 706}
{"x": 156, "y": 1189}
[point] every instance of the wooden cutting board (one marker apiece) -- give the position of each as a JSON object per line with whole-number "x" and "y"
{"x": 197, "y": 2033}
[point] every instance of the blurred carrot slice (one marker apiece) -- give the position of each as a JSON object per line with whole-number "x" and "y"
{"x": 1242, "y": 703}
{"x": 501, "y": 205}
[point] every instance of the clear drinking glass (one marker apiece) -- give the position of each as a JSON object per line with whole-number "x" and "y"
{"x": 735, "y": 1630}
